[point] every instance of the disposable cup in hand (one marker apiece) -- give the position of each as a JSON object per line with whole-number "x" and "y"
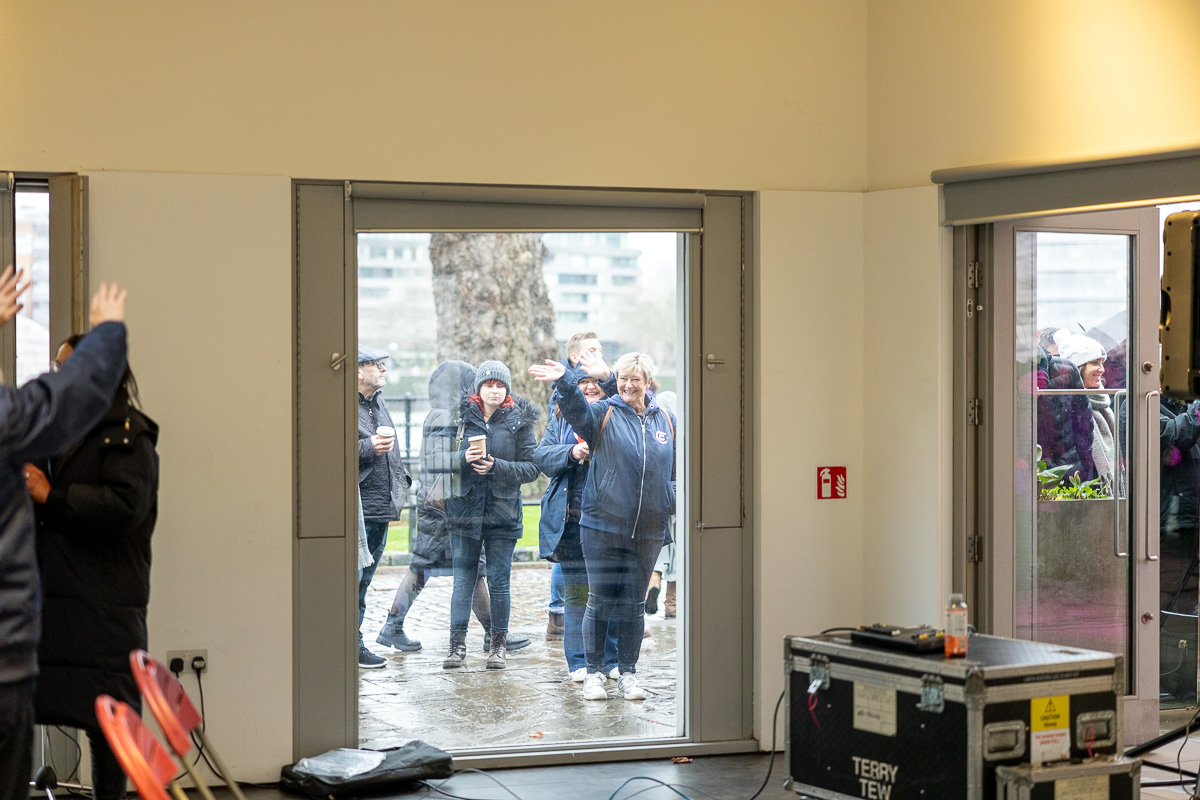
{"x": 480, "y": 442}
{"x": 386, "y": 430}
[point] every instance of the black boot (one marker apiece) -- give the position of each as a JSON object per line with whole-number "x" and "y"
{"x": 458, "y": 650}
{"x": 496, "y": 655}
{"x": 392, "y": 635}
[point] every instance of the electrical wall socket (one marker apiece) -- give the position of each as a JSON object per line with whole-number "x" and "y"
{"x": 187, "y": 656}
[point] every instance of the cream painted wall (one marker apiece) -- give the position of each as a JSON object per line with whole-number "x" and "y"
{"x": 810, "y": 403}
{"x": 676, "y": 93}
{"x": 908, "y": 374}
{"x": 956, "y": 83}
{"x": 207, "y": 261}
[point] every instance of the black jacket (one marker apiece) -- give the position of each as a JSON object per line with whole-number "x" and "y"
{"x": 492, "y": 502}
{"x": 94, "y": 554}
{"x": 36, "y": 421}
{"x": 383, "y": 481}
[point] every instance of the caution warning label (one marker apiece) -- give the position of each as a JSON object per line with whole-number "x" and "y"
{"x": 1050, "y": 734}
{"x": 1046, "y": 713}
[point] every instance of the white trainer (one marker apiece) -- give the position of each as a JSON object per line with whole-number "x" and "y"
{"x": 628, "y": 686}
{"x": 578, "y": 675}
{"x": 593, "y": 687}
{"x": 614, "y": 673}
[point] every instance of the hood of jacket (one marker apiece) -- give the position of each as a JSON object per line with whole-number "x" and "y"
{"x": 450, "y": 382}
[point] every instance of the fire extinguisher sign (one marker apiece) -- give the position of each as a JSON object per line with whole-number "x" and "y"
{"x": 831, "y": 483}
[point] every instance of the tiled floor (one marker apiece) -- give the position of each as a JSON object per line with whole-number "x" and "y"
{"x": 530, "y": 702}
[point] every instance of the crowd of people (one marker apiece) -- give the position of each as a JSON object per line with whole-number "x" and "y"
{"x": 78, "y": 503}
{"x": 607, "y": 515}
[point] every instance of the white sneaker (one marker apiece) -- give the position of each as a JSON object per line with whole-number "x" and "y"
{"x": 614, "y": 673}
{"x": 578, "y": 675}
{"x": 628, "y": 686}
{"x": 593, "y": 687}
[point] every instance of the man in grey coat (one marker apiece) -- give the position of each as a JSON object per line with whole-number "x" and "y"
{"x": 383, "y": 480}
{"x": 37, "y": 421}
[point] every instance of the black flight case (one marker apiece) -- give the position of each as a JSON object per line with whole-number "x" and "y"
{"x": 865, "y": 722}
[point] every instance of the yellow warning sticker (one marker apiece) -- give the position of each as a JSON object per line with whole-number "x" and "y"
{"x": 1047, "y": 713}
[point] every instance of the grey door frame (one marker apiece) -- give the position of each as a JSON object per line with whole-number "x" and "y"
{"x": 327, "y": 217}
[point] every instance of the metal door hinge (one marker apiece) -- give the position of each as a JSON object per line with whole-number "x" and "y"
{"x": 974, "y": 274}
{"x": 933, "y": 696}
{"x": 973, "y": 547}
{"x": 974, "y": 411}
{"x": 349, "y": 189}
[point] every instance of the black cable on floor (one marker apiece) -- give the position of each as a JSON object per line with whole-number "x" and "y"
{"x": 774, "y": 733}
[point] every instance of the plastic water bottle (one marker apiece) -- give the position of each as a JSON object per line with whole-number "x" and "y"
{"x": 956, "y": 626}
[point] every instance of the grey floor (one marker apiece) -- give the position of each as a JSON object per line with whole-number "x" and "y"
{"x": 705, "y": 778}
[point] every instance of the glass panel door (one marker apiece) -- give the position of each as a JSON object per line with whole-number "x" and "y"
{"x": 542, "y": 528}
{"x": 1084, "y": 427}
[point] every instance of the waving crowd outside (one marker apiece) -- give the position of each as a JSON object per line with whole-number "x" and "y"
{"x": 609, "y": 451}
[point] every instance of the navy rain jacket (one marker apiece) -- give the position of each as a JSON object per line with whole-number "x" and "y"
{"x": 630, "y": 489}
{"x": 37, "y": 421}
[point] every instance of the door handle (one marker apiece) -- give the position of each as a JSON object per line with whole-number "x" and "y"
{"x": 1151, "y": 438}
{"x": 1116, "y": 482}
{"x": 337, "y": 360}
{"x": 712, "y": 362}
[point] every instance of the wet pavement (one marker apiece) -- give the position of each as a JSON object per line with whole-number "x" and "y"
{"x": 530, "y": 703}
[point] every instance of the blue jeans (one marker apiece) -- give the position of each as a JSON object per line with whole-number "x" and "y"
{"x": 574, "y": 594}
{"x": 376, "y": 539}
{"x": 556, "y": 588}
{"x": 466, "y": 572}
{"x": 618, "y": 570}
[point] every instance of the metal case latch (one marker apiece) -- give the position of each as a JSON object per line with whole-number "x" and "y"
{"x": 933, "y": 697}
{"x": 818, "y": 674}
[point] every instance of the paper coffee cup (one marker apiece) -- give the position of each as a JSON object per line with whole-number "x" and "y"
{"x": 480, "y": 441}
{"x": 386, "y": 430}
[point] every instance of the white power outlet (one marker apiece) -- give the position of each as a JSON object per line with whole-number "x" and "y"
{"x": 187, "y": 656}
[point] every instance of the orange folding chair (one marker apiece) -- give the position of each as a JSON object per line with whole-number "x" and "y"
{"x": 144, "y": 759}
{"x": 177, "y": 717}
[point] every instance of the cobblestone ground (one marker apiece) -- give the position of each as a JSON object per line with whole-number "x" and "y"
{"x": 532, "y": 702}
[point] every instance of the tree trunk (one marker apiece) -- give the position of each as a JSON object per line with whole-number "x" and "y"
{"x": 492, "y": 303}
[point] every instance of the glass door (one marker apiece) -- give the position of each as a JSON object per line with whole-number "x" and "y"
{"x": 1076, "y": 366}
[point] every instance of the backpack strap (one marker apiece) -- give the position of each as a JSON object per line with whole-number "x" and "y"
{"x": 603, "y": 424}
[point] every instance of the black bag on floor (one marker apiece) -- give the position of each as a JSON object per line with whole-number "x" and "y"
{"x": 402, "y": 766}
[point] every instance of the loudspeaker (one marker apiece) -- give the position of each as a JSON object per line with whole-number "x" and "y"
{"x": 1179, "y": 321}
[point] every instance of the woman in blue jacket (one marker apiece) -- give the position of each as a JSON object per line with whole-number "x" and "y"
{"x": 563, "y": 457}
{"x": 484, "y": 510}
{"x": 626, "y": 509}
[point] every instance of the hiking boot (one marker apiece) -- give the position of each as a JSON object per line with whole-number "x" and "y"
{"x": 458, "y": 650}
{"x": 392, "y": 635}
{"x": 513, "y": 642}
{"x": 496, "y": 658}
{"x": 629, "y": 688}
{"x": 652, "y": 595}
{"x": 593, "y": 687}
{"x": 368, "y": 660}
{"x": 669, "y": 601}
{"x": 555, "y": 627}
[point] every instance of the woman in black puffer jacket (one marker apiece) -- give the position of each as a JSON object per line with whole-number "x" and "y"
{"x": 96, "y": 505}
{"x": 484, "y": 510}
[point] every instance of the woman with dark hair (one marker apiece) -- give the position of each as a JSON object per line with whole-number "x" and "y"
{"x": 492, "y": 460}
{"x": 96, "y": 505}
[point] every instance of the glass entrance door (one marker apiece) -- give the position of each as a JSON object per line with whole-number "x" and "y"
{"x": 1080, "y": 375}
